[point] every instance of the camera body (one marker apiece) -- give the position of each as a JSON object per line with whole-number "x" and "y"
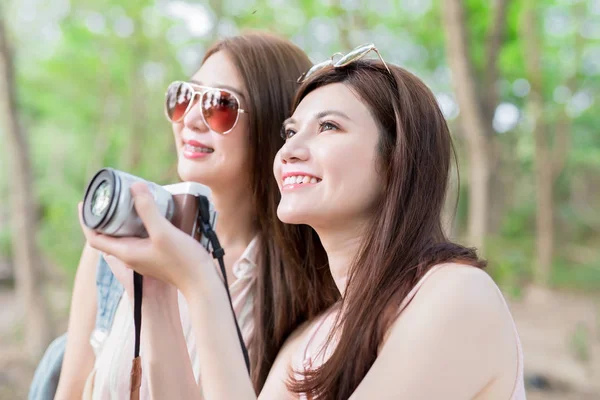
{"x": 108, "y": 205}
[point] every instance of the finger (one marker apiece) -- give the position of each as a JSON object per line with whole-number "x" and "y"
{"x": 146, "y": 208}
{"x": 124, "y": 248}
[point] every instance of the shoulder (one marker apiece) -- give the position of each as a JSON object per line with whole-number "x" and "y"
{"x": 459, "y": 284}
{"x": 462, "y": 306}
{"x": 460, "y": 294}
{"x": 456, "y": 331}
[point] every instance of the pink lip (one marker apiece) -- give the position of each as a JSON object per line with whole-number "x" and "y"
{"x": 194, "y": 154}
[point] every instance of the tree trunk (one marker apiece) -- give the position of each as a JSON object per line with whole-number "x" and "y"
{"x": 137, "y": 100}
{"x": 473, "y": 121}
{"x": 490, "y": 100}
{"x": 549, "y": 157}
{"x": 495, "y": 37}
{"x": 543, "y": 161}
{"x": 26, "y": 253}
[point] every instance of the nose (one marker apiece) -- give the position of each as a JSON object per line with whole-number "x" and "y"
{"x": 194, "y": 120}
{"x": 294, "y": 150}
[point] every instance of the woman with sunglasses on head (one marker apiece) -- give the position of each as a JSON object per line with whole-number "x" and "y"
{"x": 226, "y": 121}
{"x": 366, "y": 164}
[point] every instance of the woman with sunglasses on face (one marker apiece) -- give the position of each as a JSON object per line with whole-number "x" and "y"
{"x": 226, "y": 121}
{"x": 366, "y": 164}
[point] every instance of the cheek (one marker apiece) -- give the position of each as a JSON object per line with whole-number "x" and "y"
{"x": 233, "y": 150}
{"x": 277, "y": 167}
{"x": 347, "y": 162}
{"x": 177, "y": 128}
{"x": 354, "y": 180}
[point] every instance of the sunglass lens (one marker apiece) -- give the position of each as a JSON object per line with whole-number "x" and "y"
{"x": 220, "y": 110}
{"x": 315, "y": 68}
{"x": 179, "y": 95}
{"x": 354, "y": 55}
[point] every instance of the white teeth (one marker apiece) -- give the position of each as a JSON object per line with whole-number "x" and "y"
{"x": 194, "y": 149}
{"x": 300, "y": 179}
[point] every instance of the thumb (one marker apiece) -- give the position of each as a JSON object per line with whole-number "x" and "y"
{"x": 146, "y": 208}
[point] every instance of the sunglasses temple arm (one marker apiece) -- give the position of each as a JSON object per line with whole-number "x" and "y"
{"x": 383, "y": 61}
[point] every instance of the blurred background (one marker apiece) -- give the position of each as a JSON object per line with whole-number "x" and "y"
{"x": 82, "y": 85}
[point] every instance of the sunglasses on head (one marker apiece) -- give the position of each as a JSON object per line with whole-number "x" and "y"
{"x": 220, "y": 107}
{"x": 345, "y": 59}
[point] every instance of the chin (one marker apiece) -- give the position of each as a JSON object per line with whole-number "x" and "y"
{"x": 292, "y": 215}
{"x": 188, "y": 173}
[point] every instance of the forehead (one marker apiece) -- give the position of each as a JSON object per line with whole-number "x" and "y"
{"x": 217, "y": 70}
{"x": 335, "y": 97}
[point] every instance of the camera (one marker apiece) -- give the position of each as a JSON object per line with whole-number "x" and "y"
{"x": 108, "y": 205}
{"x": 108, "y": 208}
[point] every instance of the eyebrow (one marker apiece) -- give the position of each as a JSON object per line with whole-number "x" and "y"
{"x": 320, "y": 115}
{"x": 325, "y": 113}
{"x": 220, "y": 86}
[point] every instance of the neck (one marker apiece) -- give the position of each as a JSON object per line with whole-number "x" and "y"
{"x": 235, "y": 217}
{"x": 342, "y": 246}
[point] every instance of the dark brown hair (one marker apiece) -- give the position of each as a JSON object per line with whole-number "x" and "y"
{"x": 286, "y": 291}
{"x": 405, "y": 238}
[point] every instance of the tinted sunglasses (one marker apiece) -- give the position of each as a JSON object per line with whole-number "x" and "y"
{"x": 220, "y": 107}
{"x": 345, "y": 59}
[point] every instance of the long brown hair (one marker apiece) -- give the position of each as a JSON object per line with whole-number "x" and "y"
{"x": 405, "y": 237}
{"x": 286, "y": 288}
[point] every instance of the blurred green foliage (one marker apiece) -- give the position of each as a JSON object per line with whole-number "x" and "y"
{"x": 91, "y": 77}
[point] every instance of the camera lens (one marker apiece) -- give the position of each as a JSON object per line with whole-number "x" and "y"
{"x": 108, "y": 205}
{"x": 101, "y": 199}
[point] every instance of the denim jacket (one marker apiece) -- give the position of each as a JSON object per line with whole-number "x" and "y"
{"x": 109, "y": 292}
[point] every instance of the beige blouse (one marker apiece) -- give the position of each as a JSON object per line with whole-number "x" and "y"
{"x": 111, "y": 376}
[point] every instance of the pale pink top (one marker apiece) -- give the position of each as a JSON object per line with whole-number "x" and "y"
{"x": 313, "y": 357}
{"x": 113, "y": 363}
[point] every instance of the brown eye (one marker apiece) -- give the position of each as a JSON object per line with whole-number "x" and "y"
{"x": 286, "y": 133}
{"x": 327, "y": 126}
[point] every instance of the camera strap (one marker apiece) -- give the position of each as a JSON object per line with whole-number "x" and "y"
{"x": 218, "y": 253}
{"x": 203, "y": 226}
{"x": 136, "y": 368}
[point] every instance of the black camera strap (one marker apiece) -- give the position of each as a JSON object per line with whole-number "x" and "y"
{"x": 138, "y": 286}
{"x": 218, "y": 253}
{"x": 204, "y": 226}
{"x": 136, "y": 368}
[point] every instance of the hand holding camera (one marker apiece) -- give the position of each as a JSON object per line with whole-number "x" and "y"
{"x": 156, "y": 231}
{"x": 166, "y": 253}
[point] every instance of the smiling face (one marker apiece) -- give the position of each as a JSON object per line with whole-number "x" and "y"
{"x": 206, "y": 156}
{"x": 327, "y": 170}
